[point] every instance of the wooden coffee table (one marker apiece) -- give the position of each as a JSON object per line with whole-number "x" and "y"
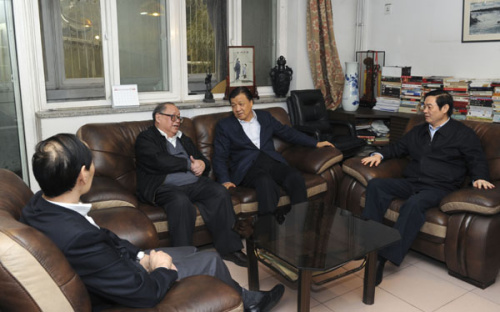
{"x": 316, "y": 238}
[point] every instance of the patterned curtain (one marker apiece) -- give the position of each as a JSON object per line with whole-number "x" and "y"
{"x": 323, "y": 55}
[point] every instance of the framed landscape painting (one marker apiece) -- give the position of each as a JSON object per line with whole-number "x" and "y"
{"x": 481, "y": 20}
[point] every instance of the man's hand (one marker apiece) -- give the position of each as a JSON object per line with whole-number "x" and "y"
{"x": 145, "y": 262}
{"x": 197, "y": 166}
{"x": 324, "y": 143}
{"x": 160, "y": 259}
{"x": 373, "y": 160}
{"x": 480, "y": 184}
{"x": 228, "y": 185}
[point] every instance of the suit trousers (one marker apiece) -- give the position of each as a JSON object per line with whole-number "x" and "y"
{"x": 419, "y": 198}
{"x": 267, "y": 175}
{"x": 190, "y": 262}
{"x": 216, "y": 209}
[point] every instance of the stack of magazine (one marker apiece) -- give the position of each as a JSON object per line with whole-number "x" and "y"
{"x": 390, "y": 89}
{"x": 411, "y": 94}
{"x": 480, "y": 101}
{"x": 496, "y": 100}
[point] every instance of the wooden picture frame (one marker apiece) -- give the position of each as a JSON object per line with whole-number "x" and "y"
{"x": 481, "y": 20}
{"x": 241, "y": 69}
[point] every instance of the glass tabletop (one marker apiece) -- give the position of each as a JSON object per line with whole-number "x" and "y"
{"x": 318, "y": 237}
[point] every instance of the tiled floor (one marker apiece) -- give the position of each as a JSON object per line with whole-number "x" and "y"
{"x": 419, "y": 284}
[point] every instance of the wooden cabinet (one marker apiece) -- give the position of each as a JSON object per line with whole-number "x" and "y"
{"x": 397, "y": 121}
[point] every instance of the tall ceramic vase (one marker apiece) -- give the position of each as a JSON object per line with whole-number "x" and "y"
{"x": 350, "y": 96}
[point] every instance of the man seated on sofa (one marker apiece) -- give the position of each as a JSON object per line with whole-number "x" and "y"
{"x": 442, "y": 152}
{"x": 244, "y": 153}
{"x": 112, "y": 269}
{"x": 171, "y": 173}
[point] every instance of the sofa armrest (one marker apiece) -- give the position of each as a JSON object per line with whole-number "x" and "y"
{"x": 391, "y": 168}
{"x": 312, "y": 160}
{"x": 128, "y": 223}
{"x": 107, "y": 193}
{"x": 484, "y": 202}
{"x": 196, "y": 293}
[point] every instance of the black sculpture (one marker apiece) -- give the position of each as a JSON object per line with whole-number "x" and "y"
{"x": 209, "y": 97}
{"x": 281, "y": 75}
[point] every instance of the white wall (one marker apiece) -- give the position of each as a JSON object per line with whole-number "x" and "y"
{"x": 426, "y": 35}
{"x": 296, "y": 48}
{"x": 344, "y": 27}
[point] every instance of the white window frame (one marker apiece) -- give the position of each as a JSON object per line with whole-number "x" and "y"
{"x": 177, "y": 54}
{"x": 55, "y": 57}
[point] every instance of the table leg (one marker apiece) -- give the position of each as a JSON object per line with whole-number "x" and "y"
{"x": 304, "y": 295}
{"x": 369, "y": 281}
{"x": 253, "y": 266}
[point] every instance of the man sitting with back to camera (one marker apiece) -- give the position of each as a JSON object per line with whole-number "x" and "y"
{"x": 113, "y": 270}
{"x": 172, "y": 173}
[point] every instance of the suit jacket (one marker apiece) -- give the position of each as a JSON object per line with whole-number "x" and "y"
{"x": 232, "y": 146}
{"x": 154, "y": 162}
{"x": 106, "y": 263}
{"x": 444, "y": 162}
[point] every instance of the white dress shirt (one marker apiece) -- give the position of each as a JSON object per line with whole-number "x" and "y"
{"x": 252, "y": 129}
{"x": 172, "y": 140}
{"x": 79, "y": 208}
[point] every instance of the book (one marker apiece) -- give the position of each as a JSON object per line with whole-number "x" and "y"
{"x": 409, "y": 110}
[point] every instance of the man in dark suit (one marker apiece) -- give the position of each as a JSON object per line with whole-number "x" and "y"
{"x": 172, "y": 173}
{"x": 245, "y": 142}
{"x": 112, "y": 269}
{"x": 442, "y": 151}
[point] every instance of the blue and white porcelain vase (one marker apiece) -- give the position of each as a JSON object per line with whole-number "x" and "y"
{"x": 350, "y": 96}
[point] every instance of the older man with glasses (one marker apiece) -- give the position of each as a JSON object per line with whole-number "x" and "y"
{"x": 172, "y": 173}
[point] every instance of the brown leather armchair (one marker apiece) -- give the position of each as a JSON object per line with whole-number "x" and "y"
{"x": 464, "y": 231}
{"x": 114, "y": 184}
{"x": 35, "y": 276}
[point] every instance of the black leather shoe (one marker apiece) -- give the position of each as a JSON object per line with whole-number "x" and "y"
{"x": 269, "y": 300}
{"x": 279, "y": 214}
{"x": 244, "y": 226}
{"x": 380, "y": 271}
{"x": 280, "y": 218}
{"x": 237, "y": 257}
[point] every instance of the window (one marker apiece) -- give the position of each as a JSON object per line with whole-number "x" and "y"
{"x": 200, "y": 39}
{"x": 72, "y": 49}
{"x": 143, "y": 44}
{"x": 166, "y": 47}
{"x": 259, "y": 30}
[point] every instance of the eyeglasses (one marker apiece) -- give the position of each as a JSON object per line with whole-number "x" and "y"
{"x": 173, "y": 117}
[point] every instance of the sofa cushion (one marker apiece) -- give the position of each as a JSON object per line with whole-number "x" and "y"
{"x": 208, "y": 297}
{"x": 247, "y": 197}
{"x": 434, "y": 228}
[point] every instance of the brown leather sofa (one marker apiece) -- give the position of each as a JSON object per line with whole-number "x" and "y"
{"x": 112, "y": 145}
{"x": 35, "y": 276}
{"x": 464, "y": 231}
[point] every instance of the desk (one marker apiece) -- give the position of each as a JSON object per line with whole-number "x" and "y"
{"x": 398, "y": 121}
